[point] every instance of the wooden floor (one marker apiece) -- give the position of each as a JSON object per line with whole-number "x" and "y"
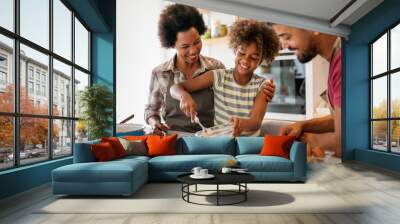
{"x": 378, "y": 189}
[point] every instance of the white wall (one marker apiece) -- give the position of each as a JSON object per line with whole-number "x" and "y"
{"x": 138, "y": 52}
{"x": 219, "y": 50}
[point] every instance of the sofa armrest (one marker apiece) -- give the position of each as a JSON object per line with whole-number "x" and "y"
{"x": 298, "y": 155}
{"x": 83, "y": 152}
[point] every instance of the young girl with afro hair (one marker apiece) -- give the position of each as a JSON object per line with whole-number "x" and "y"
{"x": 238, "y": 96}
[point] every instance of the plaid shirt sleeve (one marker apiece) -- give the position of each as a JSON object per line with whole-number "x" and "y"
{"x": 155, "y": 100}
{"x": 220, "y": 65}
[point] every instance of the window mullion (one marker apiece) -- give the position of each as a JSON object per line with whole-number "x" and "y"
{"x": 50, "y": 81}
{"x": 16, "y": 83}
{"x": 389, "y": 101}
{"x": 73, "y": 82}
{"x": 371, "y": 89}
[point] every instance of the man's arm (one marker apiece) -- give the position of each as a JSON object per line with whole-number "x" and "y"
{"x": 330, "y": 140}
{"x": 319, "y": 125}
{"x": 316, "y": 125}
{"x": 338, "y": 131}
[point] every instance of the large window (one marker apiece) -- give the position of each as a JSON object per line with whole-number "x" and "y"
{"x": 385, "y": 94}
{"x": 44, "y": 64}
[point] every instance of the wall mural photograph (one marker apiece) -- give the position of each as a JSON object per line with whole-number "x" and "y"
{"x": 188, "y": 111}
{"x": 202, "y": 74}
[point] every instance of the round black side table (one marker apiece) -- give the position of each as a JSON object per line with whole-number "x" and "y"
{"x": 238, "y": 179}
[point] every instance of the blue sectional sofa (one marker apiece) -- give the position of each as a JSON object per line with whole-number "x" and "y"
{"x": 125, "y": 176}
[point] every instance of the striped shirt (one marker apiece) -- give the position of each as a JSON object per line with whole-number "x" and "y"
{"x": 232, "y": 99}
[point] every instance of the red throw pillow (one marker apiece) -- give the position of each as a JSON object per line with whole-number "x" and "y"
{"x": 103, "y": 151}
{"x": 135, "y": 138}
{"x": 161, "y": 145}
{"x": 116, "y": 145}
{"x": 277, "y": 145}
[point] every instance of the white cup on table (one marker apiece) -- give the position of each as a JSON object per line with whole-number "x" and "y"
{"x": 196, "y": 170}
{"x": 226, "y": 170}
{"x": 203, "y": 172}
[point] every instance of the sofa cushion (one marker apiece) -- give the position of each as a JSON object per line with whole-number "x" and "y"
{"x": 112, "y": 171}
{"x": 185, "y": 163}
{"x": 161, "y": 145}
{"x": 116, "y": 145}
{"x": 249, "y": 145}
{"x": 133, "y": 158}
{"x": 103, "y": 152}
{"x": 277, "y": 145}
{"x": 257, "y": 163}
{"x": 83, "y": 152}
{"x": 134, "y": 147}
{"x": 135, "y": 137}
{"x": 207, "y": 145}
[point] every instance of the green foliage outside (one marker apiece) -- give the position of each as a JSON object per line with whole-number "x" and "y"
{"x": 380, "y": 127}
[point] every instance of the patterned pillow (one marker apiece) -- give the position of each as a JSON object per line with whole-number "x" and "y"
{"x": 134, "y": 147}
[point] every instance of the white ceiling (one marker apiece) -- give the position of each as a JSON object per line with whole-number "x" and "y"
{"x": 320, "y": 9}
{"x": 308, "y": 14}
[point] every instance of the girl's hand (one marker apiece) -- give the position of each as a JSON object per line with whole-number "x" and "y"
{"x": 237, "y": 126}
{"x": 188, "y": 106}
{"x": 269, "y": 90}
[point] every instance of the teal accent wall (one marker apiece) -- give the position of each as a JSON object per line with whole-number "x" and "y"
{"x": 99, "y": 16}
{"x": 24, "y": 178}
{"x": 104, "y": 53}
{"x": 103, "y": 64}
{"x": 102, "y": 58}
{"x": 90, "y": 11}
{"x": 379, "y": 159}
{"x": 356, "y": 99}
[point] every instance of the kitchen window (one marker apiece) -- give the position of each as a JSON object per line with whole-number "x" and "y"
{"x": 289, "y": 77}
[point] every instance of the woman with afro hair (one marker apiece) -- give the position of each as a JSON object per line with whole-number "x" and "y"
{"x": 180, "y": 27}
{"x": 239, "y": 98}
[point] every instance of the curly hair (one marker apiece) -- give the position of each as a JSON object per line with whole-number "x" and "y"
{"x": 177, "y": 18}
{"x": 248, "y": 31}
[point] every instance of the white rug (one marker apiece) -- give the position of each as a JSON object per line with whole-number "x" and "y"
{"x": 166, "y": 198}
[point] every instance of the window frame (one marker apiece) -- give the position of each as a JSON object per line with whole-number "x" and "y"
{"x": 3, "y": 71}
{"x": 15, "y": 72}
{"x": 3, "y": 74}
{"x": 388, "y": 74}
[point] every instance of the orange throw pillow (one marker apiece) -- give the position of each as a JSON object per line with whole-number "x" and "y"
{"x": 103, "y": 152}
{"x": 277, "y": 145}
{"x": 116, "y": 145}
{"x": 135, "y": 138}
{"x": 161, "y": 145}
